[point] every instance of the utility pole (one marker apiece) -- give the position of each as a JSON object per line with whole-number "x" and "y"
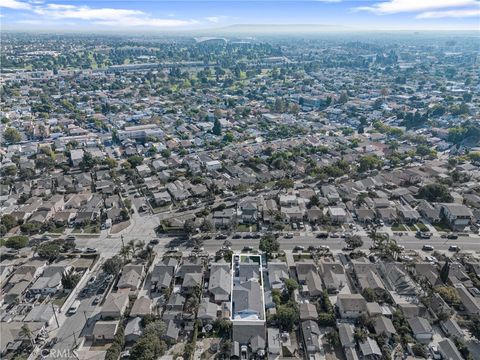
{"x": 74, "y": 338}
{"x": 55, "y": 314}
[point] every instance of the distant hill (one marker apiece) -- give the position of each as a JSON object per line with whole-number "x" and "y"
{"x": 277, "y": 28}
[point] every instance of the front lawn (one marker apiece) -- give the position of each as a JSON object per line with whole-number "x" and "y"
{"x": 398, "y": 227}
{"x": 422, "y": 227}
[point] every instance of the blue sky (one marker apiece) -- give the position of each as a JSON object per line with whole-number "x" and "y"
{"x": 155, "y": 15}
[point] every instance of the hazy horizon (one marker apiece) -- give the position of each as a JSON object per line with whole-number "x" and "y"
{"x": 220, "y": 15}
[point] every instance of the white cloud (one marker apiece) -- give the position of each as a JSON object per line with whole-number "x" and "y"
{"x": 216, "y": 19}
{"x": 14, "y": 4}
{"x": 57, "y": 11}
{"x": 146, "y": 22}
{"x": 402, "y": 6}
{"x": 122, "y": 18}
{"x": 461, "y": 13}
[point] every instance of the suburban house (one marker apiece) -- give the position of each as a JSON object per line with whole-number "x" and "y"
{"x": 311, "y": 336}
{"x": 114, "y": 306}
{"x": 351, "y": 305}
{"x": 131, "y": 277}
{"x": 458, "y": 216}
{"x": 220, "y": 282}
{"x": 104, "y": 331}
{"x": 421, "y": 328}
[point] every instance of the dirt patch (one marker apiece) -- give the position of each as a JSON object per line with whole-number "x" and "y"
{"x": 119, "y": 227}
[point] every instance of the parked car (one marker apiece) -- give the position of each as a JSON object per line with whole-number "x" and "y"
{"x": 96, "y": 300}
{"x": 299, "y": 248}
{"x": 435, "y": 353}
{"x": 237, "y": 236}
{"x": 322, "y": 235}
{"x": 289, "y": 236}
{"x": 73, "y": 309}
{"x": 247, "y": 248}
{"x": 90, "y": 250}
{"x": 424, "y": 234}
{"x": 453, "y": 248}
{"x": 427, "y": 248}
{"x": 452, "y": 236}
{"x": 154, "y": 242}
{"x": 92, "y": 280}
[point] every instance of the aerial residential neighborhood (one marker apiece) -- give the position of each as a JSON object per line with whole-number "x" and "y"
{"x": 239, "y": 196}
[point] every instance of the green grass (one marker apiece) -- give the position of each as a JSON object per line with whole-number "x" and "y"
{"x": 412, "y": 227}
{"x": 441, "y": 227}
{"x": 398, "y": 227}
{"x": 58, "y": 230}
{"x": 246, "y": 228}
{"x": 298, "y": 257}
{"x": 60, "y": 300}
{"x": 422, "y": 227}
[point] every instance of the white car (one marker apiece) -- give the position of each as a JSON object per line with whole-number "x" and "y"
{"x": 435, "y": 353}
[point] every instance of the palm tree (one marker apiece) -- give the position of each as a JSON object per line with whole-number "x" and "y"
{"x": 360, "y": 335}
{"x": 150, "y": 254}
{"x": 125, "y": 253}
{"x": 191, "y": 304}
{"x": 25, "y": 332}
{"x": 131, "y": 247}
{"x": 139, "y": 245}
{"x": 225, "y": 349}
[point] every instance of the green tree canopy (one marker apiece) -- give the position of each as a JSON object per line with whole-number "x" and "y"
{"x": 12, "y": 135}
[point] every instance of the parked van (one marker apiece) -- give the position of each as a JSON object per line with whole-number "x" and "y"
{"x": 73, "y": 309}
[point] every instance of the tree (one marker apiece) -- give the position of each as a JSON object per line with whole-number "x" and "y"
{"x": 88, "y": 161}
{"x": 26, "y": 333}
{"x": 333, "y": 338}
{"x": 189, "y": 227}
{"x": 420, "y": 350}
{"x": 206, "y": 226}
{"x": 354, "y": 241}
{"x": 49, "y": 250}
{"x": 286, "y": 316}
{"x": 435, "y": 193}
{"x": 360, "y": 335}
{"x": 285, "y": 183}
{"x": 445, "y": 271}
{"x": 16, "y": 242}
{"x": 110, "y": 162}
{"x": 217, "y": 128}
{"x": 222, "y": 327}
{"x": 314, "y": 201}
{"x": 449, "y": 294}
{"x": 156, "y": 327}
{"x": 148, "y": 347}
{"x": 10, "y": 170}
{"x": 9, "y": 221}
{"x": 191, "y": 304}
{"x": 290, "y": 286}
{"x": 113, "y": 265}
{"x": 369, "y": 162}
{"x": 70, "y": 279}
{"x": 125, "y": 253}
{"x": 12, "y": 135}
{"x": 135, "y": 160}
{"x": 166, "y": 153}
{"x": 369, "y": 295}
{"x": 343, "y": 98}
{"x": 269, "y": 244}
